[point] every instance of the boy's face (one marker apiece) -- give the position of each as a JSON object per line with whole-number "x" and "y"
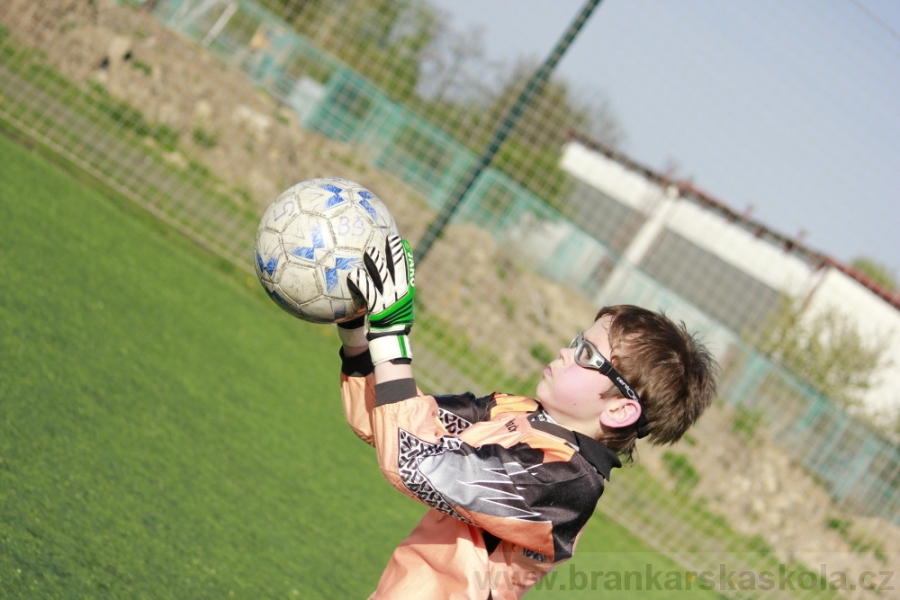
{"x": 571, "y": 394}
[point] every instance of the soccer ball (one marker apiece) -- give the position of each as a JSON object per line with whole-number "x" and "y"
{"x": 310, "y": 238}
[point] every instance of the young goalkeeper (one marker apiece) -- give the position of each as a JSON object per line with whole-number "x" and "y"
{"x": 511, "y": 481}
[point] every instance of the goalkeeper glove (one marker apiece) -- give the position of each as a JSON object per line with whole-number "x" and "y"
{"x": 388, "y": 285}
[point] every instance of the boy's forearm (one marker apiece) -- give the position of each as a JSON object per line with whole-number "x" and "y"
{"x": 359, "y": 390}
{"x": 388, "y": 371}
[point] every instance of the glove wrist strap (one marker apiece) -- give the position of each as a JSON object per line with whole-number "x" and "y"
{"x": 389, "y": 347}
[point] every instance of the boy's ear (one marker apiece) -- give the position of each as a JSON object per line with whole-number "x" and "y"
{"x": 620, "y": 412}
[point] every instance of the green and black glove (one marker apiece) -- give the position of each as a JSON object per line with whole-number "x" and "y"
{"x": 388, "y": 285}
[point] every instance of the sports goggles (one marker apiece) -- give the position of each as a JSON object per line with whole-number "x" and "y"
{"x": 587, "y": 356}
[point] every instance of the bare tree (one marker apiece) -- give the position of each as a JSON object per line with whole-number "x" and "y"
{"x": 448, "y": 62}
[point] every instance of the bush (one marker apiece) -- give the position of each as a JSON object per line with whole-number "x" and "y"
{"x": 681, "y": 470}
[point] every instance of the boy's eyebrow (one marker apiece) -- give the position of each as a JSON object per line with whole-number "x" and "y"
{"x": 583, "y": 334}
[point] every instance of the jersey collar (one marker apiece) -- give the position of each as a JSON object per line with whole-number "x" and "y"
{"x": 601, "y": 458}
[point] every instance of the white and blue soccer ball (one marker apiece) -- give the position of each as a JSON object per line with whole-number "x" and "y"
{"x": 310, "y": 238}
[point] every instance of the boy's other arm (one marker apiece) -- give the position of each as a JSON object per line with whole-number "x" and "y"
{"x": 357, "y": 379}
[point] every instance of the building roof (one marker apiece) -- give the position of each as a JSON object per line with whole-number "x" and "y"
{"x": 689, "y": 191}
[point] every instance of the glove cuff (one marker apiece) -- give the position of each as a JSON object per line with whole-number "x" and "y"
{"x": 352, "y": 338}
{"x": 390, "y": 347}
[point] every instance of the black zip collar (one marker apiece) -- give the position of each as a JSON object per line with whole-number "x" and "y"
{"x": 601, "y": 458}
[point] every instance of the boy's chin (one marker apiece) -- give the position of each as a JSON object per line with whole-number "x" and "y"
{"x": 538, "y": 391}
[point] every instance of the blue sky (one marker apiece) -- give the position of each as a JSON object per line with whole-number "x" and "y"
{"x": 791, "y": 107}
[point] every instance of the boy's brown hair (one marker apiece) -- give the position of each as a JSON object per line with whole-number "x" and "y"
{"x": 672, "y": 372}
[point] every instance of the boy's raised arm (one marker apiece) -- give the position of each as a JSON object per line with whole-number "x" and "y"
{"x": 381, "y": 354}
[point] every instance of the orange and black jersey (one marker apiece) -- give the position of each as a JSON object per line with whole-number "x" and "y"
{"x": 519, "y": 488}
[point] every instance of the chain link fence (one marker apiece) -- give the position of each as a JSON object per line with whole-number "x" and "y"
{"x": 201, "y": 111}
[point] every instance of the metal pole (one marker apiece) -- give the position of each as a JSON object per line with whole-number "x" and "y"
{"x": 532, "y": 89}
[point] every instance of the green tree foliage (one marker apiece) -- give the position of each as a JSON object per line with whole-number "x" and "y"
{"x": 296, "y": 11}
{"x": 537, "y": 169}
{"x": 531, "y": 153}
{"x": 552, "y": 113}
{"x": 383, "y": 40}
{"x": 825, "y": 349}
{"x": 875, "y": 271}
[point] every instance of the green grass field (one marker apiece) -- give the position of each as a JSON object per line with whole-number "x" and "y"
{"x": 167, "y": 431}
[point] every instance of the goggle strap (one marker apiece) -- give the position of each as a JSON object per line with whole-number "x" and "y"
{"x": 608, "y": 370}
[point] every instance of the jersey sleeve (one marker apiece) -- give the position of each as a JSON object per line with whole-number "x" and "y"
{"x": 358, "y": 397}
{"x": 457, "y": 412}
{"x": 507, "y": 489}
{"x": 358, "y": 393}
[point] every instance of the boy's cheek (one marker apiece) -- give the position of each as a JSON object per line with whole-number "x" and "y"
{"x": 567, "y": 387}
{"x": 577, "y": 390}
{"x": 570, "y": 382}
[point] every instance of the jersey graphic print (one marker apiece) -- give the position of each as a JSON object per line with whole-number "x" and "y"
{"x": 453, "y": 423}
{"x": 413, "y": 450}
{"x": 451, "y": 474}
